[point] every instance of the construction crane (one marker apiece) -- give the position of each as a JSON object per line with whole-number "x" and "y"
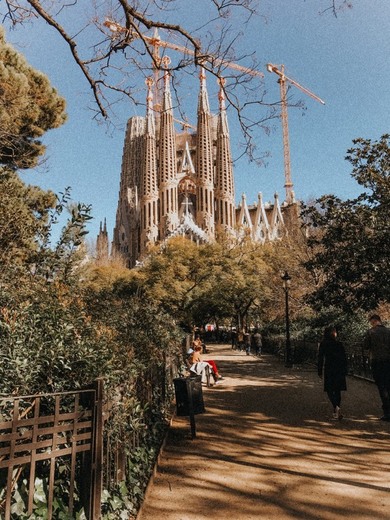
{"x": 156, "y": 43}
{"x": 283, "y": 79}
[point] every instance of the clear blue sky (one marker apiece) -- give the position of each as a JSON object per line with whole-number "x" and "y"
{"x": 344, "y": 60}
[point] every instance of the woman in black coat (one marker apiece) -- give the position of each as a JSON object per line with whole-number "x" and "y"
{"x": 332, "y": 361}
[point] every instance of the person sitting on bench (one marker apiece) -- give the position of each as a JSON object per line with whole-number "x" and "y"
{"x": 197, "y": 358}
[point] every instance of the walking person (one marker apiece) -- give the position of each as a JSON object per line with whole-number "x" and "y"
{"x": 234, "y": 339}
{"x": 332, "y": 363}
{"x": 240, "y": 340}
{"x": 247, "y": 342}
{"x": 257, "y": 342}
{"x": 377, "y": 342}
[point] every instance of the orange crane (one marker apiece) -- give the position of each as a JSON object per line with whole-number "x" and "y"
{"x": 156, "y": 43}
{"x": 283, "y": 79}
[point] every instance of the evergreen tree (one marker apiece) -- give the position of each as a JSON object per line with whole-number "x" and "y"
{"x": 29, "y": 107}
{"x": 23, "y": 215}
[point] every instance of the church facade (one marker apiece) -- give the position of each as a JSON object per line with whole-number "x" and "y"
{"x": 182, "y": 183}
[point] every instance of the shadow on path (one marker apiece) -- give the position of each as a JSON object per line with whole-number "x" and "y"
{"x": 266, "y": 448}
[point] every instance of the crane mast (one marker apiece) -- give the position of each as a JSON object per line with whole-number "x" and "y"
{"x": 288, "y": 184}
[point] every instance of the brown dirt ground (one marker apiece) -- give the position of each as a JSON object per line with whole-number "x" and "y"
{"x": 267, "y": 448}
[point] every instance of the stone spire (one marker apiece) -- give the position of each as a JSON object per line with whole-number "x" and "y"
{"x": 277, "y": 222}
{"x": 204, "y": 163}
{"x": 126, "y": 232}
{"x": 224, "y": 191}
{"x": 244, "y": 217}
{"x": 102, "y": 248}
{"x": 167, "y": 162}
{"x": 148, "y": 189}
{"x": 261, "y": 229}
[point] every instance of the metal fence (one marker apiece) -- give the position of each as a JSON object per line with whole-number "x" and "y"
{"x": 359, "y": 363}
{"x": 57, "y": 448}
{"x": 42, "y": 436}
{"x": 305, "y": 353}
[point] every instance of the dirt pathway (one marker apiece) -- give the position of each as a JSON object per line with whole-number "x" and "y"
{"x": 267, "y": 449}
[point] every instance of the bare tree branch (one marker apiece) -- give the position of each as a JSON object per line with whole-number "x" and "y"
{"x": 110, "y": 61}
{"x": 336, "y": 6}
{"x": 73, "y": 48}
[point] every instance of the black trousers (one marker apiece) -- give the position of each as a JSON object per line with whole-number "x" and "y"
{"x": 381, "y": 373}
{"x": 334, "y": 397}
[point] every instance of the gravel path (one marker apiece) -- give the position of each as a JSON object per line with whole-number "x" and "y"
{"x": 266, "y": 448}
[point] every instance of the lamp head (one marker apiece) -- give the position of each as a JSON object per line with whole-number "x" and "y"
{"x": 286, "y": 279}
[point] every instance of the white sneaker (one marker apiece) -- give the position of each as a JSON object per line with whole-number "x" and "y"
{"x": 337, "y": 415}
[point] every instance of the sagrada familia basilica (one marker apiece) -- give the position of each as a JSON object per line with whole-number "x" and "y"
{"x": 182, "y": 183}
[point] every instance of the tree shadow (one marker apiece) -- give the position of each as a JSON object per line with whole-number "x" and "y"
{"x": 266, "y": 448}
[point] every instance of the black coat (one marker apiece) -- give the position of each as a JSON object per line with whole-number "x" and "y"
{"x": 332, "y": 359}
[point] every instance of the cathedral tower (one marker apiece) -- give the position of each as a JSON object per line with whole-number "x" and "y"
{"x": 102, "y": 247}
{"x": 182, "y": 184}
{"x": 149, "y": 193}
{"x": 167, "y": 165}
{"x": 126, "y": 237}
{"x": 204, "y": 163}
{"x": 224, "y": 182}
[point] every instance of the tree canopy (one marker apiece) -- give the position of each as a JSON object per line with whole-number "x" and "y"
{"x": 351, "y": 239}
{"x": 24, "y": 212}
{"x": 229, "y": 282}
{"x": 29, "y": 107}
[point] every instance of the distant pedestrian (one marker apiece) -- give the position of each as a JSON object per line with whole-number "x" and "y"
{"x": 377, "y": 341}
{"x": 332, "y": 363}
{"x": 247, "y": 342}
{"x": 257, "y": 342}
{"x": 234, "y": 339}
{"x": 240, "y": 340}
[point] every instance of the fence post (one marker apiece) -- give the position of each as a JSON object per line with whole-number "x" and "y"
{"x": 97, "y": 452}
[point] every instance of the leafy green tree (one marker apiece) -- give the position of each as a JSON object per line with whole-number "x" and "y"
{"x": 239, "y": 286}
{"x": 48, "y": 343}
{"x": 63, "y": 260}
{"x": 27, "y": 217}
{"x": 351, "y": 239}
{"x": 29, "y": 107}
{"x": 24, "y": 213}
{"x": 174, "y": 275}
{"x": 225, "y": 281}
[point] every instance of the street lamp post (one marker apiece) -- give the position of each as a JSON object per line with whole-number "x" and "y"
{"x": 286, "y": 285}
